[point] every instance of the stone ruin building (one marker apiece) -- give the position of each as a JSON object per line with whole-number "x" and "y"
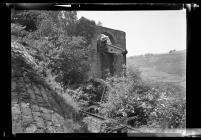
{"x": 109, "y": 55}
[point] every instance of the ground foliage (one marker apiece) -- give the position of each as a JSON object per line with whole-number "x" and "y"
{"x": 138, "y": 104}
{"x": 131, "y": 101}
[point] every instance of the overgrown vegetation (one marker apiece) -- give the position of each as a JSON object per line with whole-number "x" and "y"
{"x": 59, "y": 42}
{"x": 134, "y": 102}
{"x": 145, "y": 105}
{"x": 58, "y": 48}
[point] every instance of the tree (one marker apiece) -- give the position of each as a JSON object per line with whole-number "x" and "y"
{"x": 72, "y": 64}
{"x": 26, "y": 18}
{"x": 172, "y": 51}
{"x": 58, "y": 41}
{"x": 85, "y": 28}
{"x": 99, "y": 23}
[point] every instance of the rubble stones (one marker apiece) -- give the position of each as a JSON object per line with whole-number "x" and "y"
{"x": 31, "y": 129}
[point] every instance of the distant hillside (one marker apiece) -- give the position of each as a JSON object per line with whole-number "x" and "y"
{"x": 161, "y": 67}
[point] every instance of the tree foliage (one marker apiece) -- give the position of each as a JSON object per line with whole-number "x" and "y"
{"x": 85, "y": 28}
{"x": 58, "y": 40}
{"x": 99, "y": 23}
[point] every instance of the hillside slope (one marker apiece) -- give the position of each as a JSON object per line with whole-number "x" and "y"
{"x": 162, "y": 67}
{"x": 36, "y": 107}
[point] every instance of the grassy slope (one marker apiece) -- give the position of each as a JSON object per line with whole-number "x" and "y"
{"x": 169, "y": 68}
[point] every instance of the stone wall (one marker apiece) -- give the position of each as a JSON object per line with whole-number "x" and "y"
{"x": 118, "y": 38}
{"x": 34, "y": 109}
{"x": 35, "y": 106}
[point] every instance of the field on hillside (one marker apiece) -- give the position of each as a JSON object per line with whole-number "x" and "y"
{"x": 166, "y": 68}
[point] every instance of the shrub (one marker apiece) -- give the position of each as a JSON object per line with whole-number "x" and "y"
{"x": 71, "y": 64}
{"x": 122, "y": 100}
{"x": 130, "y": 97}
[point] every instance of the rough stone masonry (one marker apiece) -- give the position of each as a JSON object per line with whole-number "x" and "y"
{"x": 36, "y": 107}
{"x": 114, "y": 62}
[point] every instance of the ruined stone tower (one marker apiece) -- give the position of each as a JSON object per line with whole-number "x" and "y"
{"x": 108, "y": 57}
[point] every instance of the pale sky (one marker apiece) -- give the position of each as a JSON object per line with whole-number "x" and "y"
{"x": 146, "y": 31}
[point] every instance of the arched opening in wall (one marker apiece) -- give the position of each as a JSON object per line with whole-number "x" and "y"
{"x": 111, "y": 38}
{"x": 106, "y": 59}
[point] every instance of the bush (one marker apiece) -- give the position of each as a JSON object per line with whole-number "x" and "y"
{"x": 72, "y": 65}
{"x": 122, "y": 100}
{"x": 130, "y": 97}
